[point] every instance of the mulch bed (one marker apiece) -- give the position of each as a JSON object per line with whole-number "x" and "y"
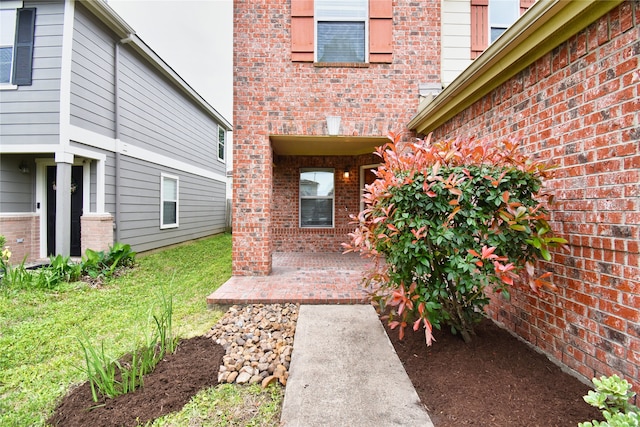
{"x": 179, "y": 376}
{"x": 496, "y": 380}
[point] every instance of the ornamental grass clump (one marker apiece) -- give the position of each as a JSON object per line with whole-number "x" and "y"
{"x": 110, "y": 377}
{"x": 448, "y": 221}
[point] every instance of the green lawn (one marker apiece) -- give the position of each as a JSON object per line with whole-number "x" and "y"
{"x": 40, "y": 355}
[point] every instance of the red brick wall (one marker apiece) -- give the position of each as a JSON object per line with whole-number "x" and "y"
{"x": 578, "y": 107}
{"x": 287, "y": 236}
{"x": 275, "y": 96}
{"x": 97, "y": 232}
{"x": 26, "y": 229}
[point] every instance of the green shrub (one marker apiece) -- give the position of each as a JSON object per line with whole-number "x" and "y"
{"x": 94, "y": 264}
{"x": 612, "y": 395}
{"x": 452, "y": 219}
{"x": 97, "y": 264}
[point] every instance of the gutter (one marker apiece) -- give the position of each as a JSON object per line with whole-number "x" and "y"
{"x": 543, "y": 27}
{"x": 116, "y": 104}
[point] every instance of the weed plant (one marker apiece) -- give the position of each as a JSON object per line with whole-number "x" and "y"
{"x": 613, "y": 396}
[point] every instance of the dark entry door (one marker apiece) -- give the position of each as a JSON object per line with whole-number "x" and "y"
{"x": 76, "y": 210}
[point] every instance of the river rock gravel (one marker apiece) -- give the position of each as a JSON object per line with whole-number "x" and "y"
{"x": 258, "y": 342}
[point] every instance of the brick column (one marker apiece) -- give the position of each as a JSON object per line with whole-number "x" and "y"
{"x": 22, "y": 232}
{"x": 96, "y": 231}
{"x": 252, "y": 192}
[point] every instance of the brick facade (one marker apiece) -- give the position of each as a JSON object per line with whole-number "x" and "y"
{"x": 287, "y": 235}
{"x": 577, "y": 106}
{"x": 96, "y": 232}
{"x": 22, "y": 232}
{"x": 275, "y": 96}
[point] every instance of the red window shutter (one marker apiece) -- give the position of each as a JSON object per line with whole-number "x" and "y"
{"x": 302, "y": 30}
{"x": 479, "y": 27}
{"x": 380, "y": 31}
{"x": 525, "y": 4}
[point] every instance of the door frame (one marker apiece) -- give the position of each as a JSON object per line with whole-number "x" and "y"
{"x": 41, "y": 194}
{"x": 362, "y": 183}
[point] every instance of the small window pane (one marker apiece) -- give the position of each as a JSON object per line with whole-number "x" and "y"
{"x": 316, "y": 183}
{"x": 316, "y": 212}
{"x": 7, "y": 35}
{"x": 341, "y": 9}
{"x": 170, "y": 213}
{"x": 170, "y": 191}
{"x": 221, "y": 143}
{"x": 6, "y": 54}
{"x": 496, "y": 32}
{"x": 341, "y": 41}
{"x": 504, "y": 11}
{"x": 7, "y": 27}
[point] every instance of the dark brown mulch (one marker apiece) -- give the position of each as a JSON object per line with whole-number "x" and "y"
{"x": 496, "y": 380}
{"x": 178, "y": 377}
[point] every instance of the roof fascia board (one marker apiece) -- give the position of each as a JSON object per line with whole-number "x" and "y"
{"x": 109, "y": 17}
{"x": 543, "y": 27}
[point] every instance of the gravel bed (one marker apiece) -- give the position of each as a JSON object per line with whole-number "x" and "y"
{"x": 258, "y": 342}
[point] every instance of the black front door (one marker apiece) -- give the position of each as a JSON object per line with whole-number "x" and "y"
{"x": 76, "y": 210}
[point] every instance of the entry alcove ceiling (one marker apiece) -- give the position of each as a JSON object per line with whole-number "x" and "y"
{"x": 324, "y": 145}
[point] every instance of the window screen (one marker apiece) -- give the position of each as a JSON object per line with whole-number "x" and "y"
{"x": 341, "y": 30}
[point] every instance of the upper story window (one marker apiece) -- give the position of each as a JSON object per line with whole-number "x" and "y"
{"x": 7, "y": 37}
{"x": 341, "y": 30}
{"x": 221, "y": 139}
{"x": 16, "y": 44}
{"x": 502, "y": 13}
{"x": 491, "y": 18}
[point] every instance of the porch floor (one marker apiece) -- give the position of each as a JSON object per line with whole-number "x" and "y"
{"x": 306, "y": 278}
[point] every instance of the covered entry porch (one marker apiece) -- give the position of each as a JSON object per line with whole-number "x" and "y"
{"x": 300, "y": 277}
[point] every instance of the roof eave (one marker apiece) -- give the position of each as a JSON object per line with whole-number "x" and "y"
{"x": 109, "y": 17}
{"x": 545, "y": 25}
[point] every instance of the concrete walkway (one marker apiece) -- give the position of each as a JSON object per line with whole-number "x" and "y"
{"x": 345, "y": 372}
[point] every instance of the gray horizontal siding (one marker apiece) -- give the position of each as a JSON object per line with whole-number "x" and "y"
{"x": 16, "y": 188}
{"x": 201, "y": 206}
{"x": 157, "y": 117}
{"x": 92, "y": 75}
{"x": 29, "y": 115}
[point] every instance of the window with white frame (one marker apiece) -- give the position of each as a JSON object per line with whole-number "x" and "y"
{"x": 7, "y": 36}
{"x": 17, "y": 26}
{"x": 341, "y": 30}
{"x": 169, "y": 190}
{"x": 502, "y": 13}
{"x": 221, "y": 138}
{"x": 316, "y": 197}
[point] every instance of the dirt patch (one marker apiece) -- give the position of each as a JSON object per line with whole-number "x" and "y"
{"x": 179, "y": 376}
{"x": 496, "y": 380}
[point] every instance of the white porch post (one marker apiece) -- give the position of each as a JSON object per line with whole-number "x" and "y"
{"x": 63, "y": 208}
